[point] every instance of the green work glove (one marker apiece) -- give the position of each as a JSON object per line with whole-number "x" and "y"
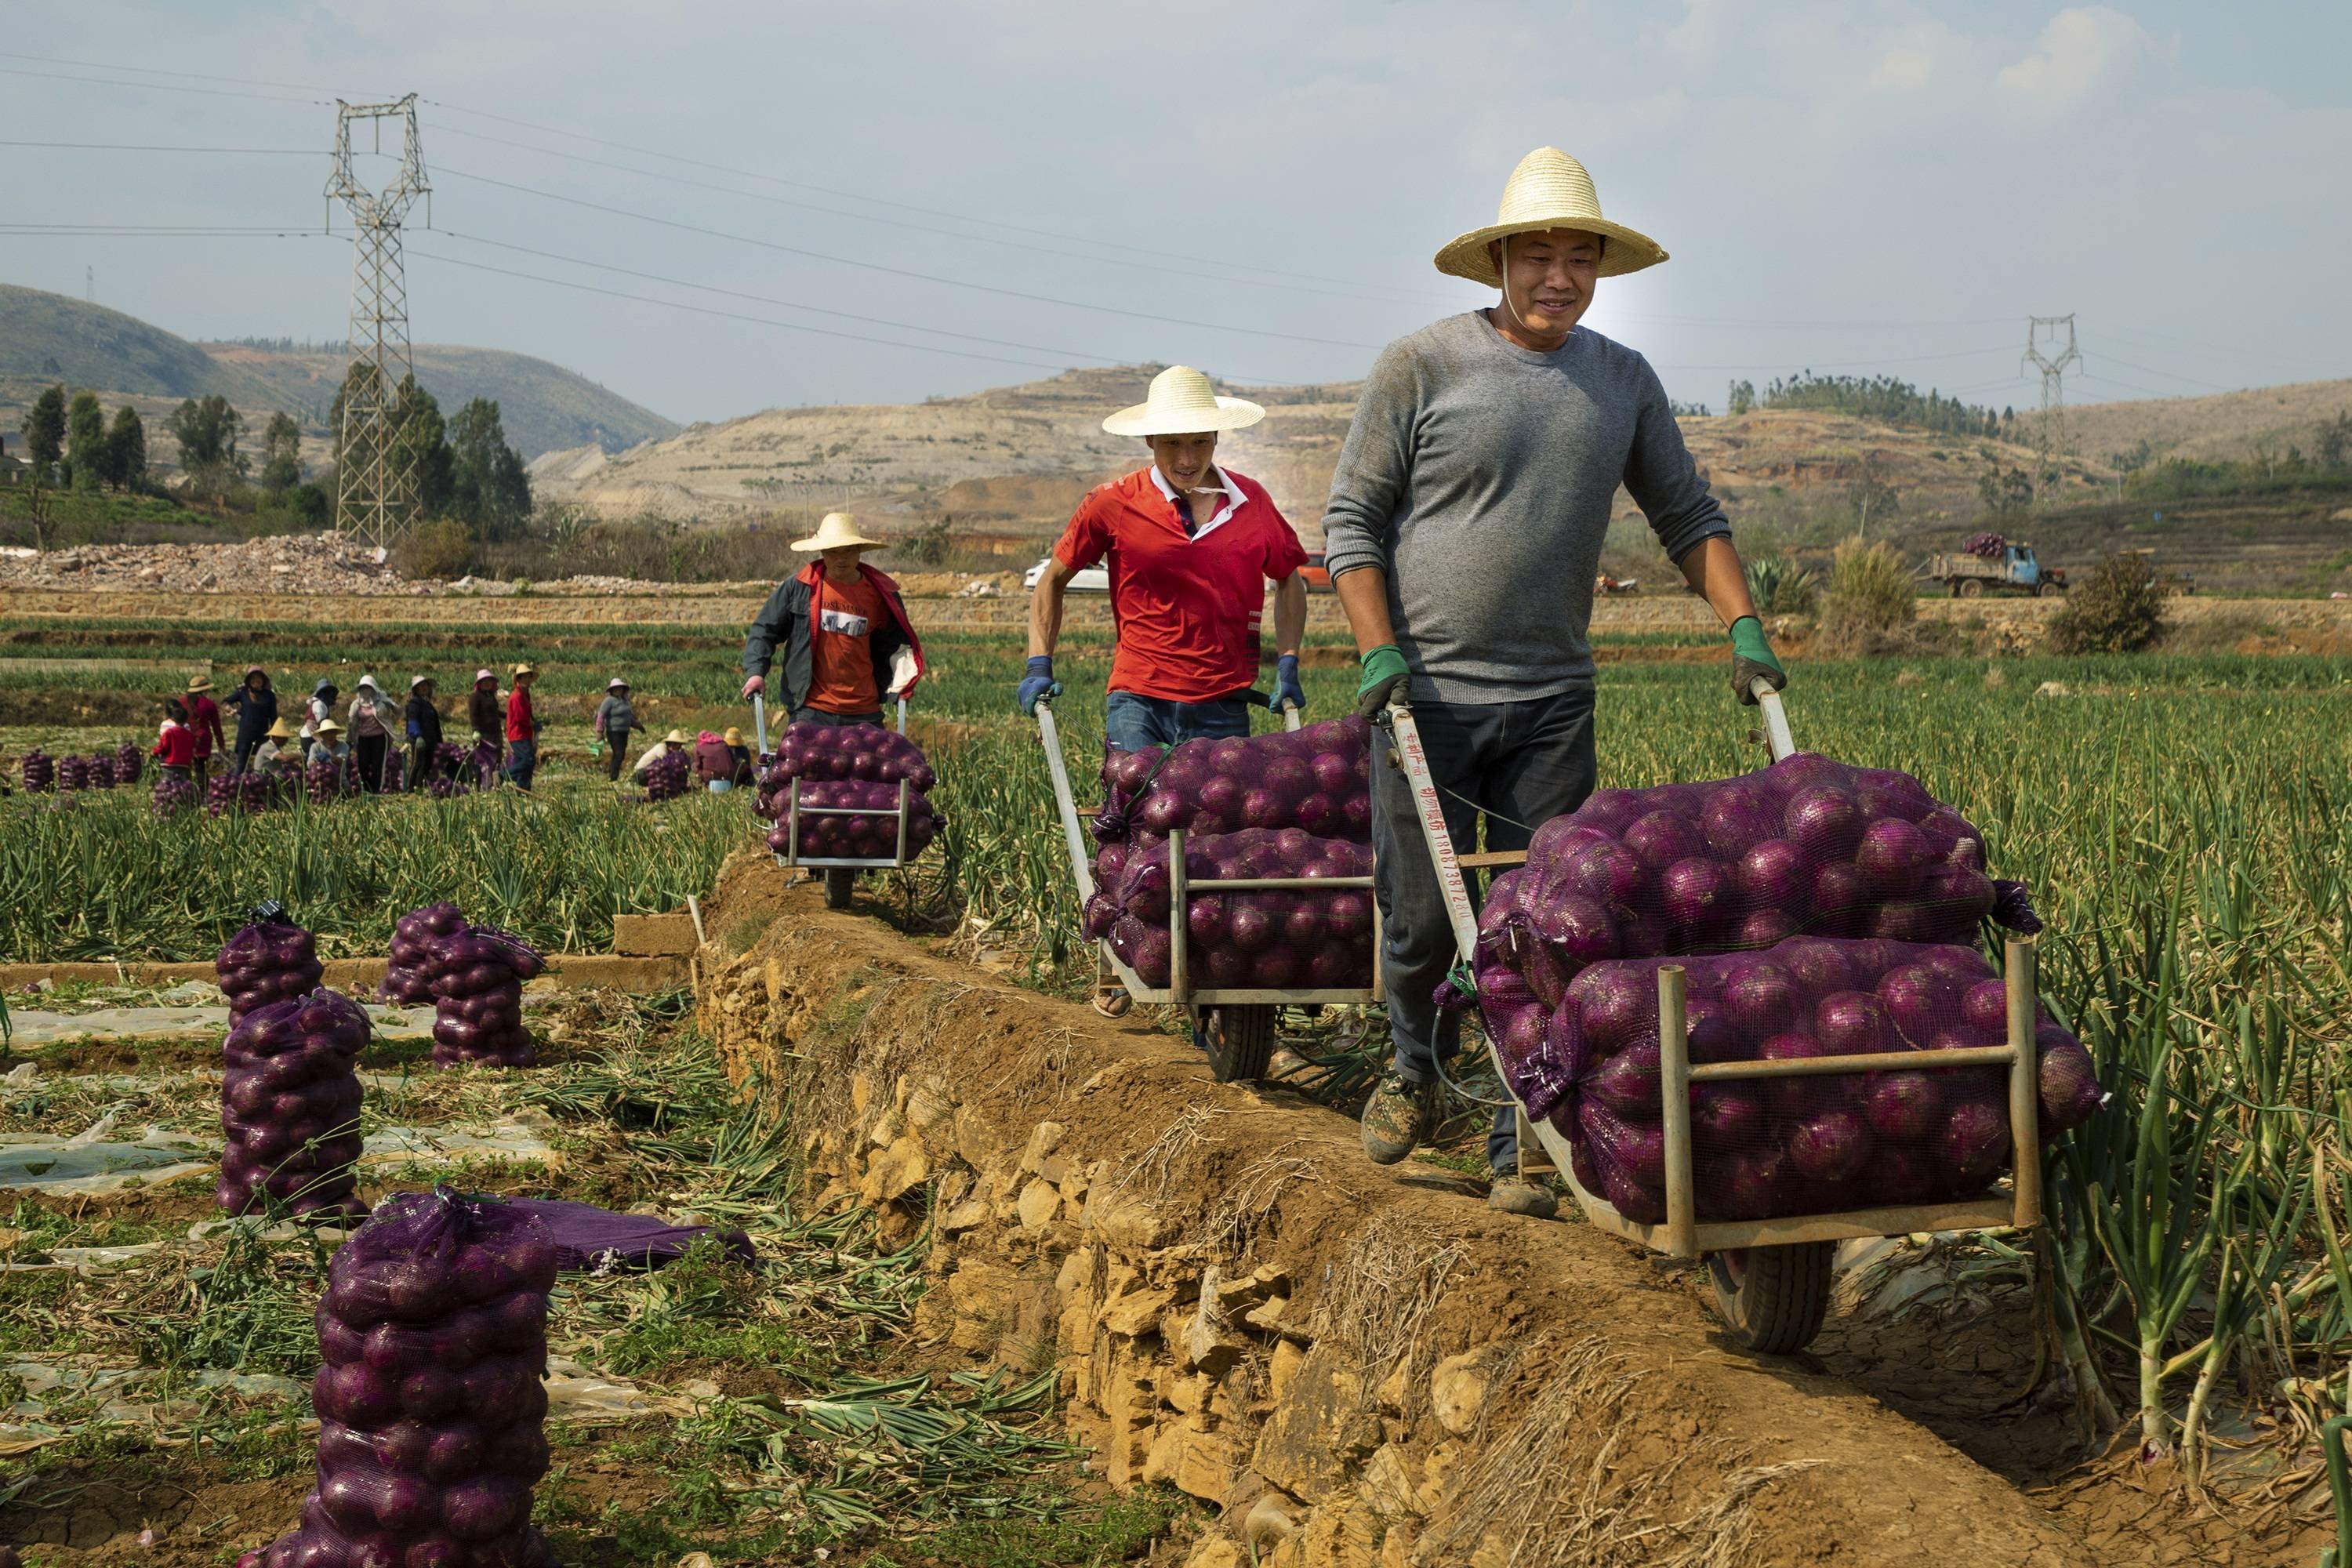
{"x": 1384, "y": 677}
{"x": 1752, "y": 657}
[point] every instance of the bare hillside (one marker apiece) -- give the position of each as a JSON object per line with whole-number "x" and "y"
{"x": 2227, "y": 424}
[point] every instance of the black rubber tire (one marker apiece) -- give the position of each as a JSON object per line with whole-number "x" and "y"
{"x": 2048, "y": 590}
{"x": 838, "y": 881}
{"x": 1773, "y": 1298}
{"x": 1239, "y": 1040}
{"x": 1970, "y": 587}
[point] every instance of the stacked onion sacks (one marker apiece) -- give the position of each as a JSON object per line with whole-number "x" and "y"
{"x": 40, "y": 772}
{"x": 1269, "y": 940}
{"x": 173, "y": 795}
{"x": 852, "y": 767}
{"x": 1314, "y": 778}
{"x": 430, "y": 1409}
{"x": 323, "y": 781}
{"x": 130, "y": 763}
{"x": 290, "y": 1106}
{"x": 269, "y": 961}
{"x": 1790, "y": 1145}
{"x": 477, "y": 977}
{"x": 408, "y": 977}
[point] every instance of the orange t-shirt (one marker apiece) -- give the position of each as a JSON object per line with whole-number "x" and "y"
{"x": 843, "y": 650}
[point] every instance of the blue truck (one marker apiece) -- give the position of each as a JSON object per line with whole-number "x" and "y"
{"x": 2003, "y": 565}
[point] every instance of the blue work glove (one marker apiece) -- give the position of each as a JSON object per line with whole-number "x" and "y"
{"x": 1286, "y": 684}
{"x": 1038, "y": 682}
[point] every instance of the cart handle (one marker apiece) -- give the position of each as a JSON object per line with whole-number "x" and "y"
{"x": 1290, "y": 719}
{"x": 760, "y": 720}
{"x": 1776, "y": 718}
{"x": 1081, "y": 863}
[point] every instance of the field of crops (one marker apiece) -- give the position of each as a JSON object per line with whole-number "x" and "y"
{"x": 2185, "y": 824}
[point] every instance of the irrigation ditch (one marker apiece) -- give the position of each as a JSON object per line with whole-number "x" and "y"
{"x": 1350, "y": 1365}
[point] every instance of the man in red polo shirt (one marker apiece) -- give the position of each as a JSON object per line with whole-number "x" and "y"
{"x": 1190, "y": 548}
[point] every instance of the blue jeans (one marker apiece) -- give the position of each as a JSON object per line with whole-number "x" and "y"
{"x": 1520, "y": 765}
{"x": 835, "y": 721}
{"x": 1131, "y": 722}
{"x": 522, "y": 761}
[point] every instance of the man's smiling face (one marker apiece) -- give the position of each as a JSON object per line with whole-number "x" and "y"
{"x": 1548, "y": 278}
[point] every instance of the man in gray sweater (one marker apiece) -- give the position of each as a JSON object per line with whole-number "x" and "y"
{"x": 1463, "y": 536}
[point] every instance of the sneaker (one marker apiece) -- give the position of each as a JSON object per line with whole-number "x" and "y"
{"x": 1515, "y": 1194}
{"x": 1396, "y": 1119}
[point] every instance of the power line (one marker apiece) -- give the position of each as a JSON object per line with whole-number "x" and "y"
{"x": 164, "y": 147}
{"x": 152, "y": 70}
{"x": 161, "y": 86}
{"x": 899, "y": 272}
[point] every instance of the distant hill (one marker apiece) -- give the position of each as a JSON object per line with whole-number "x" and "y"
{"x": 46, "y": 338}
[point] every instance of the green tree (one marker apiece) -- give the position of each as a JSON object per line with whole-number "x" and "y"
{"x": 490, "y": 489}
{"x": 207, "y": 429}
{"x": 126, "y": 450}
{"x": 84, "y": 441}
{"x": 421, "y": 443}
{"x": 2333, "y": 445}
{"x": 281, "y": 458}
{"x": 45, "y": 432}
{"x": 1741, "y": 397}
{"x": 2120, "y": 608}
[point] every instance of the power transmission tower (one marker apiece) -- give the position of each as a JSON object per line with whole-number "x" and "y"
{"x": 2050, "y": 449}
{"x": 375, "y": 474}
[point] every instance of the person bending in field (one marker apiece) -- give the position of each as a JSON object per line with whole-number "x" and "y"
{"x": 522, "y": 730}
{"x": 176, "y": 744}
{"x": 281, "y": 745}
{"x": 842, "y": 629}
{"x": 673, "y": 742}
{"x": 205, "y": 721}
{"x": 422, "y": 720}
{"x": 1464, "y": 534}
{"x": 256, "y": 714}
{"x": 1190, "y": 547}
{"x": 326, "y": 744}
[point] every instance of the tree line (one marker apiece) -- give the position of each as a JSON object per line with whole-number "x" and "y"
{"x": 1885, "y": 398}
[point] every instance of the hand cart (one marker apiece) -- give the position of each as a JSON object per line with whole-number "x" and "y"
{"x": 1235, "y": 1025}
{"x": 840, "y": 871}
{"x": 1770, "y": 1276}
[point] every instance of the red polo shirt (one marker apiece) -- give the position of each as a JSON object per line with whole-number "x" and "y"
{"x": 1186, "y": 610}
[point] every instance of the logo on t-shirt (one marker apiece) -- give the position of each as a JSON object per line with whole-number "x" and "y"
{"x": 845, "y": 623}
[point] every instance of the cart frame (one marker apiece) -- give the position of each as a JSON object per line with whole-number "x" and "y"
{"x": 1236, "y": 1022}
{"x": 840, "y": 871}
{"x": 1771, "y": 1275}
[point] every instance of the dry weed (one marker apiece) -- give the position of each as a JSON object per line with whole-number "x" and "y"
{"x": 1378, "y": 1298}
{"x": 1152, "y": 1171}
{"x": 1233, "y": 1227}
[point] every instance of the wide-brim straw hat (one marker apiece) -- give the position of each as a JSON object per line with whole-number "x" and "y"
{"x": 675, "y": 738}
{"x": 328, "y": 727}
{"x": 838, "y": 531}
{"x": 200, "y": 683}
{"x": 281, "y": 730}
{"x": 734, "y": 736}
{"x": 1183, "y": 402}
{"x": 522, "y": 669}
{"x": 1548, "y": 190}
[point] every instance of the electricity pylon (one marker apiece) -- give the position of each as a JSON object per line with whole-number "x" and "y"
{"x": 375, "y": 474}
{"x": 2049, "y": 446}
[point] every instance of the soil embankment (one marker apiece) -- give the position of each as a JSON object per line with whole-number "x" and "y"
{"x": 1353, "y": 1365}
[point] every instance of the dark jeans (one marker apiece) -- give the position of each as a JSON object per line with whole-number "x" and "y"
{"x": 617, "y": 751}
{"x": 1131, "y": 722}
{"x": 1520, "y": 765}
{"x": 369, "y": 750}
{"x": 522, "y": 761}
{"x": 835, "y": 721}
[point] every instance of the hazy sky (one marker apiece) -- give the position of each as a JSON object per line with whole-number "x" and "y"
{"x": 1844, "y": 184}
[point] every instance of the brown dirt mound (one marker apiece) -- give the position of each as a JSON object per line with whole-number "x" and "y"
{"x": 1369, "y": 1364}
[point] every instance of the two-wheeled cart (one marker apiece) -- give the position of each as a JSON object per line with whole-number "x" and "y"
{"x": 840, "y": 871}
{"x": 1770, "y": 1276}
{"x": 1235, "y": 1025}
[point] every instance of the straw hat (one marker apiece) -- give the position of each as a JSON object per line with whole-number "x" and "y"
{"x": 522, "y": 669}
{"x": 734, "y": 736}
{"x": 837, "y": 531}
{"x": 200, "y": 683}
{"x": 1548, "y": 190}
{"x": 329, "y": 727}
{"x": 675, "y": 738}
{"x": 281, "y": 731}
{"x": 1183, "y": 402}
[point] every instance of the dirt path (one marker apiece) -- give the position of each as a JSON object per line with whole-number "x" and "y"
{"x": 1155, "y": 1182}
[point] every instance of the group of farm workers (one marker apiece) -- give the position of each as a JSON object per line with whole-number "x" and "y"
{"x": 1463, "y": 535}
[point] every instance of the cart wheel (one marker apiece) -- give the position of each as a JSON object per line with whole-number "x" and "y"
{"x": 838, "y": 880}
{"x": 1239, "y": 1040}
{"x": 1773, "y": 1298}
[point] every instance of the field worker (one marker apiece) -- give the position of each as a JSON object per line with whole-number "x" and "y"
{"x": 256, "y": 711}
{"x": 673, "y": 742}
{"x": 615, "y": 717}
{"x": 422, "y": 722}
{"x": 373, "y": 719}
{"x": 1464, "y": 534}
{"x": 1190, "y": 548}
{"x": 742, "y": 755}
{"x": 714, "y": 764}
{"x": 842, "y": 630}
{"x": 522, "y": 730}
{"x": 205, "y": 721}
{"x": 280, "y": 746}
{"x": 175, "y": 743}
{"x": 321, "y": 707}
{"x": 326, "y": 744}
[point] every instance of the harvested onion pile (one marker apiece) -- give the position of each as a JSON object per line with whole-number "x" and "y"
{"x": 476, "y": 981}
{"x": 408, "y": 977}
{"x": 853, "y": 767}
{"x": 290, "y": 1108}
{"x": 40, "y": 772}
{"x": 269, "y": 961}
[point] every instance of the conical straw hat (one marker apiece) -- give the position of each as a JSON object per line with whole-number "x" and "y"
{"x": 1182, "y": 403}
{"x": 1548, "y": 190}
{"x": 836, "y": 531}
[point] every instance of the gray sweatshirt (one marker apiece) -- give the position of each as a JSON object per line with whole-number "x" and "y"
{"x": 1479, "y": 476}
{"x": 615, "y": 716}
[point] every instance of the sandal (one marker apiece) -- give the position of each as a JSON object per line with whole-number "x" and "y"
{"x": 1113, "y": 1002}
